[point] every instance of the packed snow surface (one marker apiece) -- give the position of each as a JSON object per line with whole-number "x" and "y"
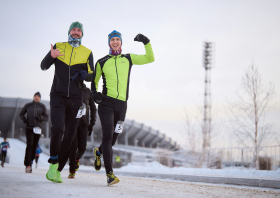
{"x": 89, "y": 184}
{"x": 17, "y": 152}
{"x": 15, "y": 183}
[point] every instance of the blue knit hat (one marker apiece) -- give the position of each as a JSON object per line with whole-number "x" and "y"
{"x": 114, "y": 34}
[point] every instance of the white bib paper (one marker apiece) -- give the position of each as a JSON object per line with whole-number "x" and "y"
{"x": 119, "y": 127}
{"x": 37, "y": 130}
{"x": 85, "y": 109}
{"x": 80, "y": 112}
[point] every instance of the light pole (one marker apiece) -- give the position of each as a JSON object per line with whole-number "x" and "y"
{"x": 207, "y": 64}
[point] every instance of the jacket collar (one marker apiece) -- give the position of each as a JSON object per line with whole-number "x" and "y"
{"x": 113, "y": 56}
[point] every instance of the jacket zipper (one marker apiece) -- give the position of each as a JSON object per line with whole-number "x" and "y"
{"x": 117, "y": 77}
{"x": 69, "y": 71}
{"x": 35, "y": 113}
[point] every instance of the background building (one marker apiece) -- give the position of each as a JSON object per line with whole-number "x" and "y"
{"x": 136, "y": 138}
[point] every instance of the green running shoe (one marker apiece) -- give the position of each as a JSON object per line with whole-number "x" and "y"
{"x": 57, "y": 178}
{"x": 112, "y": 179}
{"x": 97, "y": 161}
{"x": 71, "y": 175}
{"x": 77, "y": 164}
{"x": 51, "y": 174}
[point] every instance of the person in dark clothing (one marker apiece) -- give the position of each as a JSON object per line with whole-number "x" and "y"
{"x": 84, "y": 130}
{"x": 115, "y": 70}
{"x": 36, "y": 114}
{"x": 37, "y": 154}
{"x": 73, "y": 63}
{"x": 4, "y": 146}
{"x": 118, "y": 162}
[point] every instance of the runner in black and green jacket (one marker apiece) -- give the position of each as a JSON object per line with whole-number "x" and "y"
{"x": 115, "y": 71}
{"x": 73, "y": 63}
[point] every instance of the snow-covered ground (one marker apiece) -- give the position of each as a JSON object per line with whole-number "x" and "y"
{"x": 17, "y": 151}
{"x": 14, "y": 182}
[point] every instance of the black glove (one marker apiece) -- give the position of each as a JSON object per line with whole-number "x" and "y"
{"x": 24, "y": 119}
{"x": 97, "y": 97}
{"x": 142, "y": 38}
{"x": 90, "y": 127}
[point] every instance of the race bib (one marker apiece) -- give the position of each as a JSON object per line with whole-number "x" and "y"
{"x": 85, "y": 109}
{"x": 4, "y": 149}
{"x": 37, "y": 130}
{"x": 80, "y": 112}
{"x": 119, "y": 127}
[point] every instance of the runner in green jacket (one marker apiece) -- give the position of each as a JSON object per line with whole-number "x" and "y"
{"x": 115, "y": 71}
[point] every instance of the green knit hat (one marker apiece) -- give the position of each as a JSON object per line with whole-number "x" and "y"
{"x": 76, "y": 24}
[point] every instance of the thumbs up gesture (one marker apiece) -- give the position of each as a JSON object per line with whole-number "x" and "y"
{"x": 55, "y": 52}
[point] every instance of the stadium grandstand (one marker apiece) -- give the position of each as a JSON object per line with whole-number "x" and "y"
{"x": 137, "y": 139}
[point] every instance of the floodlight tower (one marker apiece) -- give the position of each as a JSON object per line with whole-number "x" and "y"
{"x": 207, "y": 64}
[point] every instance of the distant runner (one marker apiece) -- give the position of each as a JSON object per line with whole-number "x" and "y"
{"x": 118, "y": 162}
{"x": 4, "y": 146}
{"x": 37, "y": 155}
{"x": 36, "y": 114}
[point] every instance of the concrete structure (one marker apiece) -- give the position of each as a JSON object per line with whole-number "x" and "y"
{"x": 10, "y": 123}
{"x": 134, "y": 134}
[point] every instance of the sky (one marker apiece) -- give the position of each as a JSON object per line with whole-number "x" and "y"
{"x": 243, "y": 32}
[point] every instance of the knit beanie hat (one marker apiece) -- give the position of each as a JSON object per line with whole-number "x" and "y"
{"x": 38, "y": 94}
{"x": 76, "y": 24}
{"x": 114, "y": 34}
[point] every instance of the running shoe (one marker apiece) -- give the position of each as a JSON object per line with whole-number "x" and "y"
{"x": 57, "y": 179}
{"x": 51, "y": 174}
{"x": 28, "y": 169}
{"x": 2, "y": 164}
{"x": 97, "y": 161}
{"x": 71, "y": 175}
{"x": 77, "y": 164}
{"x": 112, "y": 179}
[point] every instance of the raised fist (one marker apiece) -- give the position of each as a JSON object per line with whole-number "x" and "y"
{"x": 142, "y": 38}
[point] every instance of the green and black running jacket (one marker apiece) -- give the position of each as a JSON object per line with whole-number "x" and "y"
{"x": 115, "y": 72}
{"x": 74, "y": 60}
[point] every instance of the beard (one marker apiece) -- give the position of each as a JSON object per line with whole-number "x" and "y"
{"x": 75, "y": 36}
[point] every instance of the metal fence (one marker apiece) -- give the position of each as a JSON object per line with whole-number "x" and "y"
{"x": 269, "y": 157}
{"x": 245, "y": 157}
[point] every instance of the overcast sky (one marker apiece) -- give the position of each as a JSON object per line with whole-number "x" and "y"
{"x": 244, "y": 32}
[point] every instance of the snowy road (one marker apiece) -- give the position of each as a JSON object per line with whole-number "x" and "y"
{"x": 15, "y": 183}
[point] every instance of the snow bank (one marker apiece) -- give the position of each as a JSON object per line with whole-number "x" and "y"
{"x": 155, "y": 167}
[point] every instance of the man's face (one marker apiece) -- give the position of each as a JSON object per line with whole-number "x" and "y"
{"x": 115, "y": 43}
{"x": 36, "y": 98}
{"x": 76, "y": 33}
{"x": 5, "y": 139}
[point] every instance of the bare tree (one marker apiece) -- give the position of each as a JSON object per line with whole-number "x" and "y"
{"x": 193, "y": 139}
{"x": 249, "y": 112}
{"x": 191, "y": 133}
{"x": 197, "y": 140}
